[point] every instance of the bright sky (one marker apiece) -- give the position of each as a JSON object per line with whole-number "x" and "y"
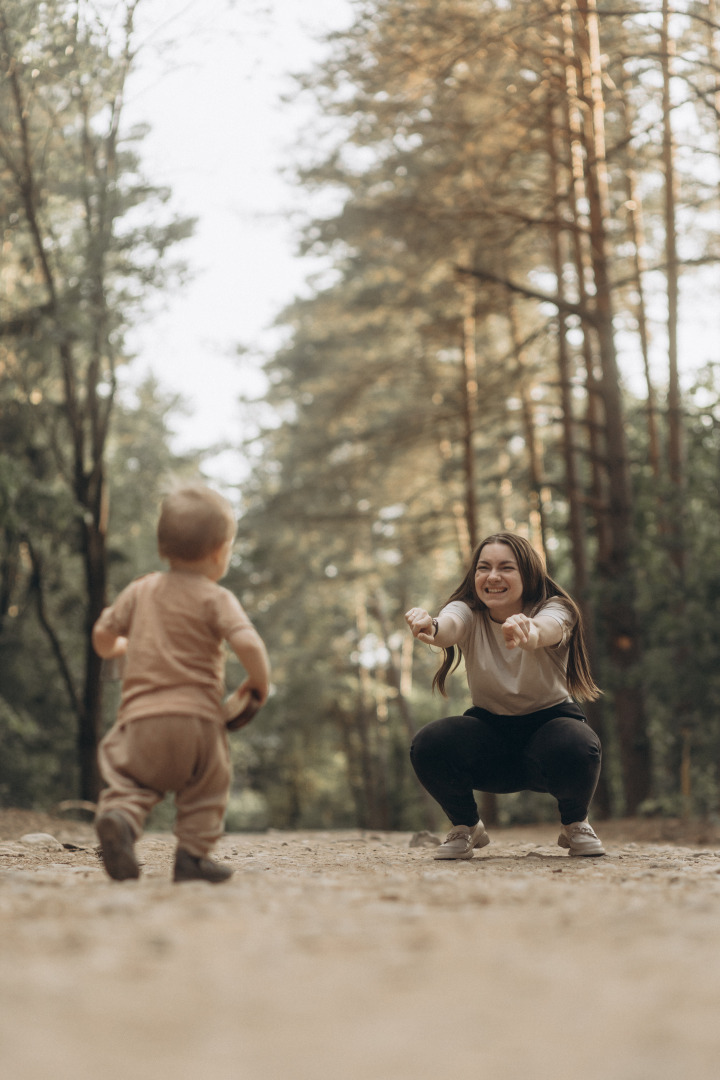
{"x": 220, "y": 135}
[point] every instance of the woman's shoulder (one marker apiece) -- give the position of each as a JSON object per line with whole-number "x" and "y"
{"x": 562, "y": 612}
{"x": 461, "y": 610}
{"x": 558, "y": 608}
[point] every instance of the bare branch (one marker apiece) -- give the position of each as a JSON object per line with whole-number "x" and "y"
{"x": 37, "y": 588}
{"x": 565, "y": 306}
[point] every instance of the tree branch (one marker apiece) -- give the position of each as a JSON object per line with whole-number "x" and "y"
{"x": 567, "y": 307}
{"x": 36, "y": 586}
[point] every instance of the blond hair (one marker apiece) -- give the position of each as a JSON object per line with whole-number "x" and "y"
{"x": 194, "y": 522}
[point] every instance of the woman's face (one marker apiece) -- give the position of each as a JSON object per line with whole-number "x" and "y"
{"x": 497, "y": 581}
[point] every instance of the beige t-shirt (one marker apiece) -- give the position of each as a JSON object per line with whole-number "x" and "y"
{"x": 176, "y": 623}
{"x": 512, "y": 682}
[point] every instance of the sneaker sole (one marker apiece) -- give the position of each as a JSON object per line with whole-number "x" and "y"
{"x": 440, "y": 856}
{"x": 117, "y": 851}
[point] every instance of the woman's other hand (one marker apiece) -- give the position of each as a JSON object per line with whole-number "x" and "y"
{"x": 520, "y": 632}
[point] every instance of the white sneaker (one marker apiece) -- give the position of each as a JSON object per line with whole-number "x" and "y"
{"x": 581, "y": 839}
{"x": 461, "y": 841}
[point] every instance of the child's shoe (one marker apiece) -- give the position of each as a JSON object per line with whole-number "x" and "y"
{"x": 195, "y": 868}
{"x": 117, "y": 842}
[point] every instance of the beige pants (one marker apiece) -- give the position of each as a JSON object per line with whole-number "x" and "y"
{"x": 142, "y": 760}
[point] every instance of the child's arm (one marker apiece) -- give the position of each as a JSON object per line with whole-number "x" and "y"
{"x": 250, "y": 650}
{"x": 106, "y": 644}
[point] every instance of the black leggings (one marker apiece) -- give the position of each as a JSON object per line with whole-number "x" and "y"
{"x": 553, "y": 750}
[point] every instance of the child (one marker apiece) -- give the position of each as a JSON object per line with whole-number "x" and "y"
{"x": 170, "y": 731}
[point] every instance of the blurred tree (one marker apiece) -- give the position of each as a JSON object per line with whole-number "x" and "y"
{"x": 38, "y": 728}
{"x": 459, "y": 367}
{"x": 85, "y": 238}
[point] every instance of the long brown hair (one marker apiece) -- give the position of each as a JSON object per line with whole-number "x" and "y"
{"x": 538, "y": 587}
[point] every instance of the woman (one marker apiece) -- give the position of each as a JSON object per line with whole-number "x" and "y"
{"x": 522, "y": 639}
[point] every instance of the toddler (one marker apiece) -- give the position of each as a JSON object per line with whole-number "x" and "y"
{"x": 170, "y": 732}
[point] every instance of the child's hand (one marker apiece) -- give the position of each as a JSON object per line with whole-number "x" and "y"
{"x": 121, "y": 647}
{"x": 108, "y": 645}
{"x": 241, "y": 706}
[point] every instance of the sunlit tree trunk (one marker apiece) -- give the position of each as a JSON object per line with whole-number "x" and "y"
{"x": 619, "y": 611}
{"x": 633, "y": 206}
{"x": 398, "y": 679}
{"x": 577, "y": 198}
{"x": 537, "y": 515}
{"x": 675, "y": 463}
{"x": 375, "y": 797}
{"x": 470, "y": 403}
{"x": 573, "y": 486}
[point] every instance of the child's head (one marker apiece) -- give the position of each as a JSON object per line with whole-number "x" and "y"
{"x": 194, "y": 522}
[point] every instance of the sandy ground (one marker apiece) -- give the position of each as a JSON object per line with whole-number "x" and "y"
{"x": 355, "y": 956}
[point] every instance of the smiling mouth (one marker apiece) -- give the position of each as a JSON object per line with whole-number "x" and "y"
{"x": 494, "y": 592}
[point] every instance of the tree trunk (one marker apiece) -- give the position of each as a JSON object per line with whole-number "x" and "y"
{"x": 538, "y": 524}
{"x": 394, "y": 677}
{"x": 90, "y": 720}
{"x": 637, "y": 239}
{"x": 371, "y": 765}
{"x": 577, "y": 196}
{"x": 675, "y": 463}
{"x": 619, "y": 614}
{"x": 470, "y": 390}
{"x": 469, "y": 398}
{"x": 573, "y": 488}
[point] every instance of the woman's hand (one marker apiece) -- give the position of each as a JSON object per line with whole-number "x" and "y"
{"x": 421, "y": 624}
{"x": 520, "y": 632}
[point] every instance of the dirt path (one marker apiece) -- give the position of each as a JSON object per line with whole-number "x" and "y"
{"x": 357, "y": 957}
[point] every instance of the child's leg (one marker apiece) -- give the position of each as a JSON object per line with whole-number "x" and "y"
{"x": 202, "y": 800}
{"x": 119, "y": 756}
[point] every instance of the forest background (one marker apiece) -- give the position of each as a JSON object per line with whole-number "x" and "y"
{"x": 528, "y": 199}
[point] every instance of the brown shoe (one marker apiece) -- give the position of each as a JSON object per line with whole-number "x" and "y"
{"x": 194, "y": 868}
{"x": 117, "y": 846}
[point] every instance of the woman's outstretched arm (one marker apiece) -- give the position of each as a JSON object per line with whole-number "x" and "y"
{"x": 442, "y": 631}
{"x": 522, "y": 632}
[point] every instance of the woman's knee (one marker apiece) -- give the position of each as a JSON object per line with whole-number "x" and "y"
{"x": 422, "y": 744}
{"x": 568, "y": 742}
{"x": 433, "y": 739}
